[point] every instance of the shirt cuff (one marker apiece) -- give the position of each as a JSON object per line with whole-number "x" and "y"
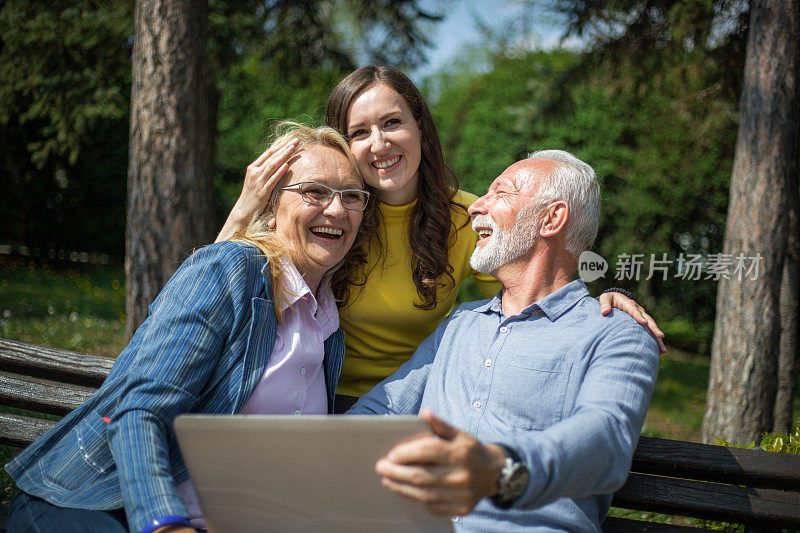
{"x": 168, "y": 520}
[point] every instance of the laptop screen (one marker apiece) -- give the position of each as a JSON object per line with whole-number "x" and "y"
{"x": 299, "y": 473}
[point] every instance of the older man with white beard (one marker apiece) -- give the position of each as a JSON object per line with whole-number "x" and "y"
{"x": 549, "y": 395}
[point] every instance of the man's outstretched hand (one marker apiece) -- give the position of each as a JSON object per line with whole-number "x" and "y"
{"x": 448, "y": 472}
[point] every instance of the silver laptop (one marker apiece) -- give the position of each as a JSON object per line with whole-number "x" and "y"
{"x": 299, "y": 473}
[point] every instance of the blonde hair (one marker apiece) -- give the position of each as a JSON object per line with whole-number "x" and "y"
{"x": 260, "y": 235}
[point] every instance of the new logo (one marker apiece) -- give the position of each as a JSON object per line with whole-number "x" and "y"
{"x": 591, "y": 266}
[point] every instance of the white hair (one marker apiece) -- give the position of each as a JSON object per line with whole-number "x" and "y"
{"x": 575, "y": 183}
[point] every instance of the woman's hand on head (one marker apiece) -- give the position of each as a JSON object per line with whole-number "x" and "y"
{"x": 260, "y": 180}
{"x": 623, "y": 303}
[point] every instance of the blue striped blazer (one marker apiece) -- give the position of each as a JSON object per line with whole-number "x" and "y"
{"x": 203, "y": 349}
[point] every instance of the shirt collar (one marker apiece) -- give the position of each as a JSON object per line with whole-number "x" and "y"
{"x": 322, "y": 306}
{"x": 294, "y": 285}
{"x": 562, "y": 300}
{"x": 553, "y": 305}
{"x": 492, "y": 305}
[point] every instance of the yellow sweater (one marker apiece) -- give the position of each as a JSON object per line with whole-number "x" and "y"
{"x": 382, "y": 326}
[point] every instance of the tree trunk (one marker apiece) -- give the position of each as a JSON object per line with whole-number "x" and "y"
{"x": 742, "y": 383}
{"x": 170, "y": 208}
{"x": 789, "y": 351}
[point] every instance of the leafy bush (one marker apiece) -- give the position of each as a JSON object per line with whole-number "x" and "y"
{"x": 772, "y": 442}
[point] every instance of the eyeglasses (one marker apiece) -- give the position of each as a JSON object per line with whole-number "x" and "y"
{"x": 318, "y": 194}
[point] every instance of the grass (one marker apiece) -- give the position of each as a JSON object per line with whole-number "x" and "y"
{"x": 7, "y": 487}
{"x": 77, "y": 309}
{"x": 676, "y": 409}
{"x": 83, "y": 309}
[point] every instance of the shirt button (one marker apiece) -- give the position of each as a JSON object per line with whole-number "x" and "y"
{"x": 455, "y": 519}
{"x": 503, "y": 329}
{"x": 297, "y": 411}
{"x": 488, "y": 363}
{"x": 477, "y": 404}
{"x": 302, "y": 371}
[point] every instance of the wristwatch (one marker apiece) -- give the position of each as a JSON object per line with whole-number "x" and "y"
{"x": 513, "y": 480}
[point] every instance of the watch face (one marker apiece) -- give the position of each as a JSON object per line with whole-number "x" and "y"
{"x": 518, "y": 481}
{"x": 514, "y": 481}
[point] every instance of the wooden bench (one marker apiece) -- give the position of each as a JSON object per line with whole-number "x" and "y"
{"x": 43, "y": 380}
{"x": 751, "y": 487}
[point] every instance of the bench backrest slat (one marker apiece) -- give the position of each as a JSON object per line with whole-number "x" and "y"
{"x": 41, "y": 395}
{"x": 19, "y": 431}
{"x": 45, "y": 380}
{"x": 691, "y": 460}
{"x": 55, "y": 364}
{"x": 712, "y": 501}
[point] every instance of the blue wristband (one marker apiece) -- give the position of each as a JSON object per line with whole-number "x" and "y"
{"x": 169, "y": 520}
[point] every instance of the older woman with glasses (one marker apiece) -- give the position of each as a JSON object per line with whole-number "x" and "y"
{"x": 248, "y": 325}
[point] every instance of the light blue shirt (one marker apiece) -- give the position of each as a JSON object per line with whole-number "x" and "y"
{"x": 564, "y": 386}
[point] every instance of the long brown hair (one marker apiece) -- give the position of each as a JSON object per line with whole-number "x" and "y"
{"x": 257, "y": 232}
{"x": 431, "y": 223}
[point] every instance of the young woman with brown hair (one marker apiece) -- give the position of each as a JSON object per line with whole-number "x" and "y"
{"x": 420, "y": 254}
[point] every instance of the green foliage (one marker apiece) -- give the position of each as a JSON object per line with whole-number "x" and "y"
{"x": 64, "y": 90}
{"x": 81, "y": 309}
{"x": 341, "y": 33}
{"x": 64, "y": 66}
{"x": 723, "y": 442}
{"x": 478, "y": 116}
{"x": 660, "y": 518}
{"x": 688, "y": 334}
{"x": 7, "y": 487}
{"x": 256, "y": 96}
{"x": 635, "y": 39}
{"x": 771, "y": 442}
{"x": 782, "y": 442}
{"x": 61, "y": 206}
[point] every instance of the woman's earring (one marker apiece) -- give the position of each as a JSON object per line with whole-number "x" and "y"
{"x": 271, "y": 223}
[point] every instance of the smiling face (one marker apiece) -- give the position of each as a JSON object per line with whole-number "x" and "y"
{"x": 505, "y": 218}
{"x": 318, "y": 237}
{"x": 385, "y": 140}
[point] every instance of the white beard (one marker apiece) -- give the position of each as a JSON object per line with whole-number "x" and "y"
{"x": 504, "y": 246}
